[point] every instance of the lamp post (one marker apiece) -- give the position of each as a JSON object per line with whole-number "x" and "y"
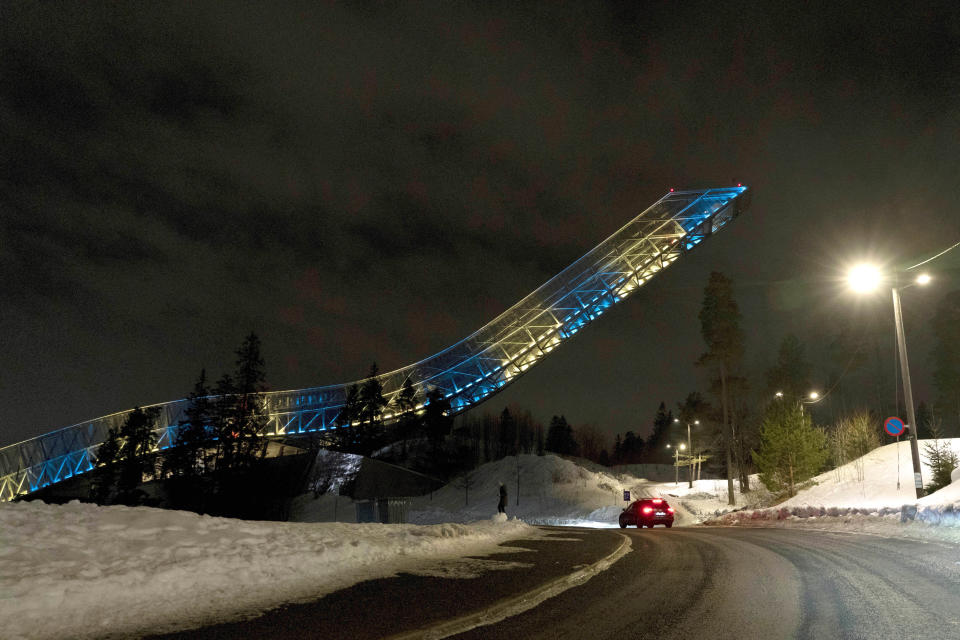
{"x": 865, "y": 278}
{"x": 676, "y": 462}
{"x": 690, "y": 449}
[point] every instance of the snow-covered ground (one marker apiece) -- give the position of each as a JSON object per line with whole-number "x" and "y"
{"x": 553, "y": 491}
{"x": 863, "y": 496}
{"x": 871, "y": 481}
{"x": 84, "y": 571}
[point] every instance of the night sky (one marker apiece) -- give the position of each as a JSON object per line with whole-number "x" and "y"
{"x": 361, "y": 182}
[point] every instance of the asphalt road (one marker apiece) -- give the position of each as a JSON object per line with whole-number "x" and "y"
{"x": 757, "y": 583}
{"x": 698, "y": 582}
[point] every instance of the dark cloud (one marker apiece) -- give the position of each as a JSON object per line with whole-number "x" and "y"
{"x": 364, "y": 181}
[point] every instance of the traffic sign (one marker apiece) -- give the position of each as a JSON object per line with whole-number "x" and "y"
{"x": 626, "y": 495}
{"x": 894, "y": 426}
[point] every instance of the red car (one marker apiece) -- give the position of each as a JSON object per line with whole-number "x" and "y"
{"x": 647, "y": 512}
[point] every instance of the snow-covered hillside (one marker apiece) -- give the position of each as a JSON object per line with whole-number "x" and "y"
{"x": 553, "y": 490}
{"x": 84, "y": 571}
{"x": 871, "y": 482}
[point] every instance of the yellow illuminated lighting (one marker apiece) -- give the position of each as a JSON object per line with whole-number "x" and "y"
{"x": 864, "y": 278}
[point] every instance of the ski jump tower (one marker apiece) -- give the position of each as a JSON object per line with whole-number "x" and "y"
{"x": 467, "y": 373}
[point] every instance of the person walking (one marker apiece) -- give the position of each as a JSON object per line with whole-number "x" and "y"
{"x": 502, "y": 507}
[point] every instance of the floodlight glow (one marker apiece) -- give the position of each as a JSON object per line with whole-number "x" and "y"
{"x": 923, "y": 278}
{"x": 864, "y": 278}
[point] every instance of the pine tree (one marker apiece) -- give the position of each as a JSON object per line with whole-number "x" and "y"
{"x": 720, "y": 327}
{"x": 791, "y": 374}
{"x": 188, "y": 458}
{"x": 250, "y": 415}
{"x": 104, "y": 482}
{"x": 508, "y": 433}
{"x": 660, "y": 437}
{"x": 221, "y": 423}
{"x": 941, "y": 459}
{"x": 560, "y": 437}
{"x": 791, "y": 448}
{"x": 406, "y": 402}
{"x": 946, "y": 358}
{"x": 372, "y": 404}
{"x": 436, "y": 420}
{"x": 187, "y": 454}
{"x": 133, "y": 462}
{"x": 344, "y": 435}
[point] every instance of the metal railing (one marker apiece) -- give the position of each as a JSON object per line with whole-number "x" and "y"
{"x": 467, "y": 373}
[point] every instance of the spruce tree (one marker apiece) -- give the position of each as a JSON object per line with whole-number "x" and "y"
{"x": 104, "y": 482}
{"x": 720, "y": 327}
{"x": 436, "y": 420}
{"x": 791, "y": 450}
{"x": 560, "y": 437}
{"x": 370, "y": 415}
{"x": 134, "y": 460}
{"x": 250, "y": 414}
{"x": 791, "y": 373}
{"x": 946, "y": 359}
{"x": 406, "y": 402}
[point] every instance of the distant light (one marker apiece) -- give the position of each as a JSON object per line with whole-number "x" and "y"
{"x": 779, "y": 394}
{"x": 668, "y": 446}
{"x": 814, "y": 395}
{"x": 676, "y": 419}
{"x": 864, "y": 278}
{"x": 696, "y": 422}
{"x": 682, "y": 446}
{"x": 739, "y": 184}
{"x": 923, "y": 278}
{"x": 671, "y": 189}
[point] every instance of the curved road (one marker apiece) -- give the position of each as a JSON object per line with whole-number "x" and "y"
{"x": 756, "y": 583}
{"x": 697, "y": 582}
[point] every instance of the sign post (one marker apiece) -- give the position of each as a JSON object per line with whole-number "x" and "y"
{"x": 894, "y": 426}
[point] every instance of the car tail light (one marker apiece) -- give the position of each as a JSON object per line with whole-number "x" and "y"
{"x": 648, "y": 509}
{"x": 670, "y": 509}
{"x": 657, "y": 501}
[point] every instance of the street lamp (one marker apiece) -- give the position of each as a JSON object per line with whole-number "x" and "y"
{"x": 864, "y": 279}
{"x": 690, "y": 447}
{"x": 676, "y": 461}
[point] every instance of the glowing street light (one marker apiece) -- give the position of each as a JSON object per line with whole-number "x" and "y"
{"x": 864, "y": 278}
{"x": 690, "y": 447}
{"x": 676, "y": 460}
{"x": 860, "y": 279}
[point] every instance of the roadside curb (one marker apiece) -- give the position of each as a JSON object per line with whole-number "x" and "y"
{"x": 518, "y": 604}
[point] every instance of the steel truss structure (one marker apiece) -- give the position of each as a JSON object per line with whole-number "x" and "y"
{"x": 467, "y": 373}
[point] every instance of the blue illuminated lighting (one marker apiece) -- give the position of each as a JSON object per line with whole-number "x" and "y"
{"x": 487, "y": 360}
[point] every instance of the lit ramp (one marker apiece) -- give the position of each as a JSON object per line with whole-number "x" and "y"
{"x": 467, "y": 373}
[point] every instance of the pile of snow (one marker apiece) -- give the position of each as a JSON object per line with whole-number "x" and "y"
{"x": 863, "y": 496}
{"x": 553, "y": 491}
{"x": 84, "y": 571}
{"x": 870, "y": 482}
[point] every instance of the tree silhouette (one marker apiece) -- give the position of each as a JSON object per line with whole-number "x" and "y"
{"x": 720, "y": 327}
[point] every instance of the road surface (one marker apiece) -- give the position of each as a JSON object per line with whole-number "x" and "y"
{"x": 700, "y": 582}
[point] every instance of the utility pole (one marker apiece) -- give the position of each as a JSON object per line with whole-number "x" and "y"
{"x": 907, "y": 392}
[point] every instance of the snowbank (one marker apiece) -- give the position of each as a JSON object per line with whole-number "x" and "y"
{"x": 871, "y": 481}
{"x": 553, "y": 490}
{"x": 83, "y": 571}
